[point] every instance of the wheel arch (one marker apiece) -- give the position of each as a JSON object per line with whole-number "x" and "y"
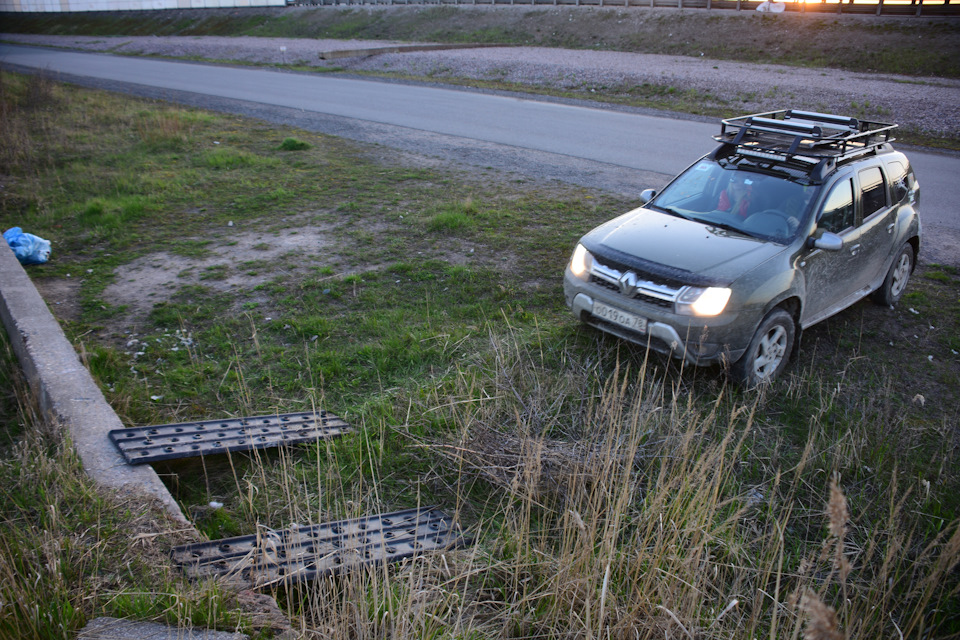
{"x": 914, "y": 242}
{"x": 793, "y": 305}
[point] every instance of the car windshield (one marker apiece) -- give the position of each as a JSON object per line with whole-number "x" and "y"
{"x": 730, "y": 197}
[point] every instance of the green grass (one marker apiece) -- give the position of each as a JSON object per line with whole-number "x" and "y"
{"x": 608, "y": 489}
{"x": 292, "y": 144}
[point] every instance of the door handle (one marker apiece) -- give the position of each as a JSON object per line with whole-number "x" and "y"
{"x": 891, "y": 226}
{"x": 855, "y": 249}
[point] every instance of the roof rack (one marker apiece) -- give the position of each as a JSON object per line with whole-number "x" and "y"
{"x": 804, "y": 136}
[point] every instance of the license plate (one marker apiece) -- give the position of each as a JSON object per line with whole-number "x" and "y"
{"x": 622, "y": 318}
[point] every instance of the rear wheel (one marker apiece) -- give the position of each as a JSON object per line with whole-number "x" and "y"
{"x": 769, "y": 351}
{"x": 895, "y": 283}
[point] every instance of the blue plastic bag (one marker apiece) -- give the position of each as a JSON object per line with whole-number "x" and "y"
{"x": 28, "y": 248}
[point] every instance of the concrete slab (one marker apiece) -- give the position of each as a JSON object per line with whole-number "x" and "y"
{"x": 66, "y": 391}
{"x": 117, "y": 629}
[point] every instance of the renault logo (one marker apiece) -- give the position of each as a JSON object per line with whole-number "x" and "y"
{"x": 628, "y": 283}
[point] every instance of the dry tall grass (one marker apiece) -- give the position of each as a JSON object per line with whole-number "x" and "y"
{"x": 70, "y": 552}
{"x": 16, "y": 141}
{"x": 622, "y": 509}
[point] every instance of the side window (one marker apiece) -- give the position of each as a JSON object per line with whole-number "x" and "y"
{"x": 899, "y": 184}
{"x": 873, "y": 191}
{"x": 837, "y": 212}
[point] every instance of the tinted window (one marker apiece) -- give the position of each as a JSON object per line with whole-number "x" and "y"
{"x": 873, "y": 191}
{"x": 838, "y": 209}
{"x": 899, "y": 184}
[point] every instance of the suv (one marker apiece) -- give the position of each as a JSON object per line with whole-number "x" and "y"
{"x": 793, "y": 218}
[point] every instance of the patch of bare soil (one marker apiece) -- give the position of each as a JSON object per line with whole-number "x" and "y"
{"x": 241, "y": 260}
{"x": 236, "y": 261}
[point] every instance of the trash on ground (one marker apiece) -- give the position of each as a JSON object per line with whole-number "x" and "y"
{"x": 771, "y": 7}
{"x": 28, "y": 248}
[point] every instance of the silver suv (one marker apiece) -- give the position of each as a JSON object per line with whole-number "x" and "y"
{"x": 793, "y": 218}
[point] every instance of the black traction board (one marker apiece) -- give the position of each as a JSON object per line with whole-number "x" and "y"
{"x": 141, "y": 445}
{"x": 304, "y": 553}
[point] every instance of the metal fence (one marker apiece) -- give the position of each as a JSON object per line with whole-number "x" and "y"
{"x": 942, "y": 8}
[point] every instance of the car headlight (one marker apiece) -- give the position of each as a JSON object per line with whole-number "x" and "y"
{"x": 700, "y": 301}
{"x": 581, "y": 262}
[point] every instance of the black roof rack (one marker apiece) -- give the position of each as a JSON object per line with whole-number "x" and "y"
{"x": 804, "y": 136}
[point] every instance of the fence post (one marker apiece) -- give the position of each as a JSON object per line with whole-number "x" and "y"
{"x": 880, "y": 7}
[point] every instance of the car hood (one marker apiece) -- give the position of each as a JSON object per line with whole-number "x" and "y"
{"x": 680, "y": 245}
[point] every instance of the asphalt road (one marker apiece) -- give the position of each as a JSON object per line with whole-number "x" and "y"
{"x": 616, "y": 149}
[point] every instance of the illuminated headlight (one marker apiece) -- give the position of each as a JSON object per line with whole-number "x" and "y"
{"x": 699, "y": 301}
{"x": 581, "y": 262}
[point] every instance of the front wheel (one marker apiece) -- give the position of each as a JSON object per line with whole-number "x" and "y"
{"x": 769, "y": 351}
{"x": 895, "y": 283}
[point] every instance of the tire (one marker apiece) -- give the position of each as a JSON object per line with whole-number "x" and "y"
{"x": 895, "y": 283}
{"x": 769, "y": 351}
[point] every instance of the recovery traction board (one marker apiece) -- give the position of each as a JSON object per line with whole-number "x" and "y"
{"x": 140, "y": 445}
{"x": 305, "y": 553}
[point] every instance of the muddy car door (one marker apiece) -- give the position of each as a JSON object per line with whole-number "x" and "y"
{"x": 832, "y": 277}
{"x": 878, "y": 230}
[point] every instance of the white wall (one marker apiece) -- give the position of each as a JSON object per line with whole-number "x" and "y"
{"x": 45, "y": 6}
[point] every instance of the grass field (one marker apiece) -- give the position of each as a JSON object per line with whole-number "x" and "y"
{"x": 611, "y": 492}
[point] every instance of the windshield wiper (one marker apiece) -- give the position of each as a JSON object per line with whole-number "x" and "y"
{"x": 674, "y": 212}
{"x": 724, "y": 225}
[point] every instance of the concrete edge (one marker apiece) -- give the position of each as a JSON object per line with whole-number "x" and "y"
{"x": 66, "y": 391}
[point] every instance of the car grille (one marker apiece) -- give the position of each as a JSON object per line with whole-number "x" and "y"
{"x": 642, "y": 274}
{"x": 639, "y": 295}
{"x": 642, "y": 286}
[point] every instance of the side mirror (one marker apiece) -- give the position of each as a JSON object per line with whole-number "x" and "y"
{"x": 647, "y": 195}
{"x": 828, "y": 242}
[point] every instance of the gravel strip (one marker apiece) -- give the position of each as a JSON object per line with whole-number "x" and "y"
{"x": 924, "y": 105}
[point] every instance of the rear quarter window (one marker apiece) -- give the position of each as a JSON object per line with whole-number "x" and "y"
{"x": 899, "y": 180}
{"x": 873, "y": 191}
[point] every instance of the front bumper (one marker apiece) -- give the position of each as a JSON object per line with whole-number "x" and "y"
{"x": 700, "y": 341}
